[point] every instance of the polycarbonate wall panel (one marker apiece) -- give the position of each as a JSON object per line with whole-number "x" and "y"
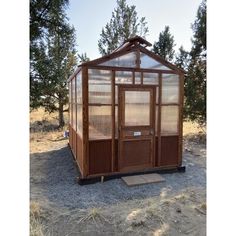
{"x": 73, "y": 104}
{"x": 99, "y": 86}
{"x": 170, "y": 88}
{"x": 70, "y": 103}
{"x": 148, "y": 62}
{"x": 122, "y": 77}
{"x": 137, "y": 108}
{"x": 100, "y": 122}
{"x": 169, "y": 119}
{"x": 127, "y": 60}
{"x": 74, "y": 116}
{"x": 79, "y": 103}
{"x": 137, "y": 78}
{"x": 151, "y": 78}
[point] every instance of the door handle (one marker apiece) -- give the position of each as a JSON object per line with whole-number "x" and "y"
{"x": 151, "y": 132}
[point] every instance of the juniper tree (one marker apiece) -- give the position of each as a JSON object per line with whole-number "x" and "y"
{"x": 124, "y": 24}
{"x": 52, "y": 56}
{"x": 164, "y": 47}
{"x": 195, "y": 81}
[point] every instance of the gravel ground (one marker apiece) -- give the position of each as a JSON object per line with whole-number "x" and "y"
{"x": 53, "y": 180}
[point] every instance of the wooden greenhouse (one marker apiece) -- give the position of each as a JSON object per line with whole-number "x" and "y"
{"x": 126, "y": 113}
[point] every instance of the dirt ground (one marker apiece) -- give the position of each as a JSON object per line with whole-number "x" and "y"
{"x": 59, "y": 206}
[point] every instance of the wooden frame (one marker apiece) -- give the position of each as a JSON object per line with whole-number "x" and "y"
{"x": 113, "y": 153}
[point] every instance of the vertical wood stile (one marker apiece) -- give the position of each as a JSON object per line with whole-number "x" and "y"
{"x": 75, "y": 78}
{"x": 85, "y": 168}
{"x": 133, "y": 77}
{"x": 181, "y": 100}
{"x": 113, "y": 120}
{"x": 153, "y": 108}
{"x": 159, "y": 119}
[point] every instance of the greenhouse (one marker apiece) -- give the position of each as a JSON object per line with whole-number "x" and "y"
{"x": 126, "y": 113}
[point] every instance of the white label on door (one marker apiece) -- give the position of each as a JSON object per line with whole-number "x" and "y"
{"x": 137, "y": 133}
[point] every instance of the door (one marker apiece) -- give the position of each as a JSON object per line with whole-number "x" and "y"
{"x": 136, "y": 127}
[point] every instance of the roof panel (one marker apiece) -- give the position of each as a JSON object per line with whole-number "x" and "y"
{"x": 148, "y": 62}
{"x": 127, "y": 60}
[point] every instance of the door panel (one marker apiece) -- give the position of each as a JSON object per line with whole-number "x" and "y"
{"x": 136, "y": 127}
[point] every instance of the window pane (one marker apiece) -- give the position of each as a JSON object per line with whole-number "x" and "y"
{"x": 73, "y": 90}
{"x": 150, "y": 63}
{"x": 169, "y": 119}
{"x": 150, "y": 78}
{"x": 99, "y": 122}
{"x": 79, "y": 88}
{"x": 137, "y": 108}
{"x": 157, "y": 95}
{"x": 74, "y": 116}
{"x": 79, "y": 120}
{"x": 79, "y": 103}
{"x": 122, "y": 77}
{"x": 137, "y": 78}
{"x": 127, "y": 60}
{"x": 170, "y": 88}
{"x": 69, "y": 86}
{"x": 99, "y": 83}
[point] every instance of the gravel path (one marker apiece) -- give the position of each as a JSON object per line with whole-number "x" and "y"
{"x": 53, "y": 180}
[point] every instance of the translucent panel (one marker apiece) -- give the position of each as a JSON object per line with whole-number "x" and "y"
{"x": 74, "y": 116}
{"x": 156, "y": 126}
{"x": 127, "y": 60}
{"x": 124, "y": 77}
{"x": 169, "y": 119}
{"x": 137, "y": 108}
{"x": 137, "y": 78}
{"x": 70, "y": 115}
{"x": 150, "y": 63}
{"x": 79, "y": 120}
{"x": 79, "y": 88}
{"x": 157, "y": 95}
{"x": 100, "y": 122}
{"x": 170, "y": 88}
{"x": 99, "y": 86}
{"x": 73, "y": 90}
{"x": 151, "y": 78}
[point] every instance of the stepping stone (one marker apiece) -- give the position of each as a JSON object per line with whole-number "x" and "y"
{"x": 142, "y": 179}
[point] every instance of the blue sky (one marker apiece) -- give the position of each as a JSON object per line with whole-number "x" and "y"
{"x": 89, "y": 16}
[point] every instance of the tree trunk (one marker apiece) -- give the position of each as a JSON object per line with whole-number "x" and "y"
{"x": 61, "y": 116}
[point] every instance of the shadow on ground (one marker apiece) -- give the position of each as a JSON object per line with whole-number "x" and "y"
{"x": 53, "y": 179}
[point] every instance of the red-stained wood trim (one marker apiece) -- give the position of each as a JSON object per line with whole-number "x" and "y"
{"x": 85, "y": 122}
{"x": 159, "y": 120}
{"x": 75, "y": 116}
{"x": 181, "y": 99}
{"x": 113, "y": 121}
{"x": 132, "y": 69}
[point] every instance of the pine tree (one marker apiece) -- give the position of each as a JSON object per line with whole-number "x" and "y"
{"x": 195, "y": 82}
{"x": 52, "y": 60}
{"x": 83, "y": 57}
{"x": 124, "y": 24}
{"x": 182, "y": 59}
{"x": 164, "y": 47}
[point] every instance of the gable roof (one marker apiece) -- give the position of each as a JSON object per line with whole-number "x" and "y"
{"x": 136, "y": 43}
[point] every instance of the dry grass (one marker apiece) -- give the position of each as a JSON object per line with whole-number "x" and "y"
{"x": 36, "y": 226}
